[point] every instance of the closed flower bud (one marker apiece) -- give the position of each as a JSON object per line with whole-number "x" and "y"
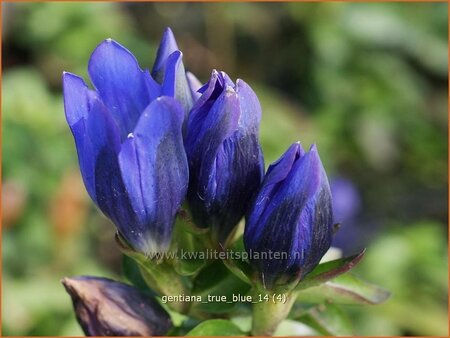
{"x": 104, "y": 307}
{"x": 169, "y": 71}
{"x": 289, "y": 226}
{"x": 225, "y": 159}
{"x": 130, "y": 146}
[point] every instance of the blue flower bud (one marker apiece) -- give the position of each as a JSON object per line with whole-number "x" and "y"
{"x": 291, "y": 216}
{"x": 107, "y": 308}
{"x": 225, "y": 159}
{"x": 130, "y": 146}
{"x": 169, "y": 71}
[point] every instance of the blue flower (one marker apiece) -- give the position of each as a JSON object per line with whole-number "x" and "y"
{"x": 169, "y": 71}
{"x": 225, "y": 159}
{"x": 291, "y": 215}
{"x": 130, "y": 146}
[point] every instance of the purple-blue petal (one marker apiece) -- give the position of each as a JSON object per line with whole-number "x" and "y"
{"x": 122, "y": 85}
{"x": 167, "y": 46}
{"x": 194, "y": 85}
{"x": 250, "y": 106}
{"x": 202, "y": 148}
{"x": 292, "y": 213}
{"x": 155, "y": 173}
{"x": 211, "y": 124}
{"x": 225, "y": 159}
{"x": 275, "y": 175}
{"x": 76, "y": 105}
{"x": 175, "y": 82}
{"x": 78, "y": 100}
{"x": 103, "y": 137}
{"x": 197, "y": 116}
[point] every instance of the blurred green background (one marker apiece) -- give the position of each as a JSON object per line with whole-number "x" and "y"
{"x": 366, "y": 82}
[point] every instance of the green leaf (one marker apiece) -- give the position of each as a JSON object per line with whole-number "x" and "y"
{"x": 328, "y": 319}
{"x": 216, "y": 281}
{"x": 216, "y": 327}
{"x": 345, "y": 289}
{"x": 329, "y": 270}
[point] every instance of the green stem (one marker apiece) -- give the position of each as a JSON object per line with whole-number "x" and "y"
{"x": 267, "y": 315}
{"x": 163, "y": 279}
{"x": 159, "y": 275}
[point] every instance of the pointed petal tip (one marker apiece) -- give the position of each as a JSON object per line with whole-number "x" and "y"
{"x": 314, "y": 152}
{"x": 69, "y": 284}
{"x": 109, "y": 47}
{"x": 178, "y": 54}
{"x": 240, "y": 83}
{"x": 75, "y": 93}
{"x": 230, "y": 90}
{"x": 108, "y": 43}
{"x": 297, "y": 148}
{"x": 111, "y": 43}
{"x": 168, "y": 32}
{"x": 68, "y": 76}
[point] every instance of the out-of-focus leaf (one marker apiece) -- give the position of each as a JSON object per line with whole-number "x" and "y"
{"x": 216, "y": 327}
{"x": 345, "y": 289}
{"x": 328, "y": 319}
{"x": 289, "y": 328}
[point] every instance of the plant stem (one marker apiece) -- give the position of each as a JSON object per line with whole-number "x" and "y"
{"x": 267, "y": 315}
{"x": 158, "y": 274}
{"x": 163, "y": 279}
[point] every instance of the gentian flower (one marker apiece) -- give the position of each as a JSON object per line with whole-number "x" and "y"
{"x": 129, "y": 144}
{"x": 107, "y": 308}
{"x": 291, "y": 215}
{"x": 225, "y": 159}
{"x": 169, "y": 65}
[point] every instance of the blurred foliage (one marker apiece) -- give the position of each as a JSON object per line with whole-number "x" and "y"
{"x": 366, "y": 82}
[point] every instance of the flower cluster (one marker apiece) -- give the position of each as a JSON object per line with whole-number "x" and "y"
{"x": 148, "y": 141}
